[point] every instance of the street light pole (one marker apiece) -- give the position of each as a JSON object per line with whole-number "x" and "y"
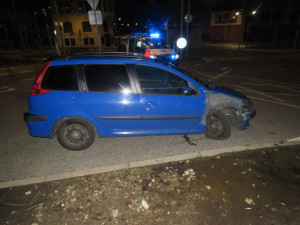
{"x": 96, "y": 26}
{"x": 187, "y": 30}
{"x": 59, "y": 29}
{"x": 181, "y": 22}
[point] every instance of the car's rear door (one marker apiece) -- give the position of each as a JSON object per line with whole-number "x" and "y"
{"x": 111, "y": 100}
{"x": 165, "y": 108}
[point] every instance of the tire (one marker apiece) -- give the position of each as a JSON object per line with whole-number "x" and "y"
{"x": 218, "y": 126}
{"x": 76, "y": 134}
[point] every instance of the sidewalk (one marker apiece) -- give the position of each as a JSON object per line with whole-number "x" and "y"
{"x": 260, "y": 186}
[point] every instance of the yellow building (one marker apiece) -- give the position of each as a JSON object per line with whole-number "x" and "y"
{"x": 75, "y": 30}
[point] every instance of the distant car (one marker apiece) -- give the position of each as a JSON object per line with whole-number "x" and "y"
{"x": 80, "y": 97}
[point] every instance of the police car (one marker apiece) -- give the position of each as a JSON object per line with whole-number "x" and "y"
{"x": 158, "y": 46}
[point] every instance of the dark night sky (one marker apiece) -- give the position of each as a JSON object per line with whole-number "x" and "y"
{"x": 28, "y": 5}
{"x": 141, "y": 10}
{"x": 130, "y": 10}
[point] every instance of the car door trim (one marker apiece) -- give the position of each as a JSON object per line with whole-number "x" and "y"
{"x": 149, "y": 118}
{"x": 170, "y": 117}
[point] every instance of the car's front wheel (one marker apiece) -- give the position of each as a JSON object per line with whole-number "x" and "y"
{"x": 217, "y": 126}
{"x": 76, "y": 134}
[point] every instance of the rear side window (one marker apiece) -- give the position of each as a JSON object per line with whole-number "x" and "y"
{"x": 60, "y": 78}
{"x": 107, "y": 78}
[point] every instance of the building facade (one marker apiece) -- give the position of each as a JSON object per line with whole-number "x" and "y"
{"x": 72, "y": 26}
{"x": 226, "y": 26}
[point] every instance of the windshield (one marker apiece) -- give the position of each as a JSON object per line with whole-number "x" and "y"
{"x": 204, "y": 82}
{"x": 155, "y": 43}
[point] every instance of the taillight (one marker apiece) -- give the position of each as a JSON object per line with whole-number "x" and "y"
{"x": 36, "y": 86}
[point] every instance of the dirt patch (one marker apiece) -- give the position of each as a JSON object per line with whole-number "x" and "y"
{"x": 254, "y": 187}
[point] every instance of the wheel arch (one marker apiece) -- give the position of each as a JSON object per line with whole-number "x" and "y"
{"x": 64, "y": 119}
{"x": 229, "y": 111}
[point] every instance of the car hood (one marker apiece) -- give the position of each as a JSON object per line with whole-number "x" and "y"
{"x": 227, "y": 91}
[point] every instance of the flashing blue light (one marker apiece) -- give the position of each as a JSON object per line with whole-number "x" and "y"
{"x": 174, "y": 57}
{"x": 155, "y": 35}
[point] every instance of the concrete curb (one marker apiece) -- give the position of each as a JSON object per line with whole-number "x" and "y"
{"x": 148, "y": 162}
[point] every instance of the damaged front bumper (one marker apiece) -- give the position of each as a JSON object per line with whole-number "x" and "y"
{"x": 244, "y": 118}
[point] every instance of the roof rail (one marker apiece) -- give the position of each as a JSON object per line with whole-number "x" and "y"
{"x": 119, "y": 54}
{"x": 134, "y": 54}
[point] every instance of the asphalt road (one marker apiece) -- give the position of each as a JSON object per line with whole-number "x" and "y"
{"x": 270, "y": 80}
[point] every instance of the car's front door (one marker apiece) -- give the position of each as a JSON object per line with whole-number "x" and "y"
{"x": 165, "y": 107}
{"x": 110, "y": 99}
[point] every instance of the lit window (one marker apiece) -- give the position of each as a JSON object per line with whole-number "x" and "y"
{"x": 224, "y": 18}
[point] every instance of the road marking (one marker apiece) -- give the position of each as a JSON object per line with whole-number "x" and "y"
{"x": 201, "y": 74}
{"x": 255, "y": 84}
{"x": 8, "y": 90}
{"x": 27, "y": 79}
{"x": 272, "y": 83}
{"x": 280, "y": 86}
{"x": 221, "y": 75}
{"x": 7, "y": 74}
{"x": 284, "y": 94}
{"x": 279, "y": 103}
{"x": 260, "y": 93}
{"x": 5, "y": 68}
{"x": 294, "y": 139}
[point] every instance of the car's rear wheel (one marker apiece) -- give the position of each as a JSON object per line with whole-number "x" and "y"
{"x": 217, "y": 126}
{"x": 76, "y": 134}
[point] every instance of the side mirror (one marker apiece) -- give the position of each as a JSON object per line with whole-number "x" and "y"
{"x": 188, "y": 91}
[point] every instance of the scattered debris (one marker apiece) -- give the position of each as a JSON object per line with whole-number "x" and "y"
{"x": 208, "y": 187}
{"x": 115, "y": 213}
{"x": 145, "y": 205}
{"x": 172, "y": 193}
{"x": 249, "y": 201}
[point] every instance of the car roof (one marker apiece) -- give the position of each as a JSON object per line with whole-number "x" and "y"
{"x": 105, "y": 57}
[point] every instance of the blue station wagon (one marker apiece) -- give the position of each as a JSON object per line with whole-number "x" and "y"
{"x": 80, "y": 97}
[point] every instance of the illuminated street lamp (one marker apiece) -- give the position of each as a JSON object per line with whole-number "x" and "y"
{"x": 181, "y": 43}
{"x": 119, "y": 18}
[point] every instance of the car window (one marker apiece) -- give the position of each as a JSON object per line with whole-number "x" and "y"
{"x": 107, "y": 78}
{"x": 154, "y": 80}
{"x": 60, "y": 78}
